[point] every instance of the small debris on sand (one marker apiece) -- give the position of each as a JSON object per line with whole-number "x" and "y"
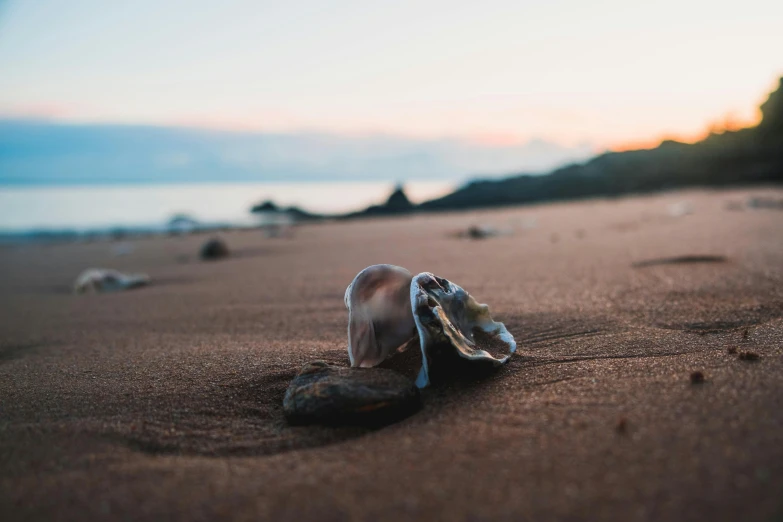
{"x": 214, "y": 249}
{"x": 101, "y": 280}
{"x": 765, "y": 203}
{"x": 481, "y": 232}
{"x": 748, "y": 356}
{"x": 478, "y": 232}
{"x": 745, "y": 334}
{"x": 697, "y": 377}
{"x": 680, "y": 260}
{"x": 731, "y": 350}
{"x": 622, "y": 426}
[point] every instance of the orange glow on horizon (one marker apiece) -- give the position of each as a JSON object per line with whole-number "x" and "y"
{"x": 278, "y": 121}
{"x": 730, "y": 122}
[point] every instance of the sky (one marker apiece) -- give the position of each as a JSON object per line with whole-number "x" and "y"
{"x": 607, "y": 73}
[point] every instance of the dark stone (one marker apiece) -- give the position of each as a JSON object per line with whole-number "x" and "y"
{"x": 748, "y": 356}
{"x": 476, "y": 232}
{"x": 323, "y": 393}
{"x": 214, "y": 249}
{"x": 697, "y": 377}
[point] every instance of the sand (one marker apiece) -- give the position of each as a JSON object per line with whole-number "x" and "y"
{"x": 165, "y": 403}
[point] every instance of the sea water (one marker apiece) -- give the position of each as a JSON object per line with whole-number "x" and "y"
{"x": 107, "y": 206}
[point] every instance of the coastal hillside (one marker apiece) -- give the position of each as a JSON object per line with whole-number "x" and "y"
{"x": 745, "y": 157}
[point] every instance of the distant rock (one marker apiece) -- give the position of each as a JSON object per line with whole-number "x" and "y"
{"x": 323, "y": 393}
{"x": 397, "y": 203}
{"x": 182, "y": 224}
{"x": 214, "y": 249}
{"x": 289, "y": 214}
{"x": 266, "y": 206}
{"x": 297, "y": 214}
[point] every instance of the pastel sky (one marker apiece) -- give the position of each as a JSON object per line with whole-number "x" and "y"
{"x": 608, "y": 73}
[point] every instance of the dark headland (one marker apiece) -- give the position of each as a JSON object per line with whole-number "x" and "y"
{"x": 747, "y": 157}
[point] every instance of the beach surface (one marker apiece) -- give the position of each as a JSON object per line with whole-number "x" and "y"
{"x": 165, "y": 402}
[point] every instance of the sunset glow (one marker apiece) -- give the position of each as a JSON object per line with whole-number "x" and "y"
{"x": 502, "y": 74}
{"x": 731, "y": 122}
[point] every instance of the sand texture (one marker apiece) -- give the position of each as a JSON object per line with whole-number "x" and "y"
{"x": 165, "y": 402}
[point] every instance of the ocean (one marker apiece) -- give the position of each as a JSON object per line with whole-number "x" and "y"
{"x": 82, "y": 208}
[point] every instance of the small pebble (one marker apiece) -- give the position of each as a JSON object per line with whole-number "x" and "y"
{"x": 214, "y": 249}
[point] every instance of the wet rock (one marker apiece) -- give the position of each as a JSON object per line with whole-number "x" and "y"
{"x": 323, "y": 393}
{"x": 214, "y": 249}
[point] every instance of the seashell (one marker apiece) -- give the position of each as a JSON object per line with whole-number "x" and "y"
{"x": 445, "y": 312}
{"x": 388, "y": 310}
{"x": 99, "y": 280}
{"x": 380, "y": 321}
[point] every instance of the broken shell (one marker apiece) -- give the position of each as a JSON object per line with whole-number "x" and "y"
{"x": 380, "y": 321}
{"x": 445, "y": 312}
{"x": 388, "y": 310}
{"x": 99, "y": 280}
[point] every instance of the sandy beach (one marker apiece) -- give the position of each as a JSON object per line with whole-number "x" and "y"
{"x": 165, "y": 402}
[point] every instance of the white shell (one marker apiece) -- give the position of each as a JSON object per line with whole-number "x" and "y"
{"x": 99, "y": 280}
{"x": 387, "y": 308}
{"x": 380, "y": 321}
